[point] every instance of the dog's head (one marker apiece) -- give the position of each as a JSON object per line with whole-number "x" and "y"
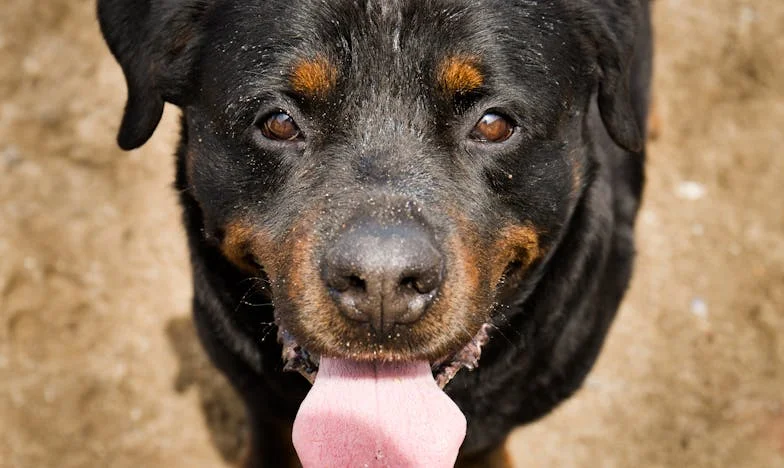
{"x": 394, "y": 168}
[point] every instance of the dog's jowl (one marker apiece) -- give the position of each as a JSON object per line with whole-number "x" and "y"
{"x": 433, "y": 201}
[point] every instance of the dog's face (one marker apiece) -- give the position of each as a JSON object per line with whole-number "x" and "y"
{"x": 395, "y": 169}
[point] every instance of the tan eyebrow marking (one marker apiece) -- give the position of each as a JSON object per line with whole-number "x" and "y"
{"x": 460, "y": 74}
{"x": 314, "y": 77}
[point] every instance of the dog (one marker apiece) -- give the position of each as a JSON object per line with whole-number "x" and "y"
{"x": 443, "y": 183}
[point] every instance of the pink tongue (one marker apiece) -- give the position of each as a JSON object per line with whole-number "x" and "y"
{"x": 377, "y": 414}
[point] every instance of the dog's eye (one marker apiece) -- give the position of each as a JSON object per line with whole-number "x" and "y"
{"x": 280, "y": 126}
{"x": 492, "y": 128}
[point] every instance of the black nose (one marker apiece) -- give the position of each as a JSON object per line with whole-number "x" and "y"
{"x": 383, "y": 274}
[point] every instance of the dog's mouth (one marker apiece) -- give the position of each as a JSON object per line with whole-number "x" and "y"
{"x": 298, "y": 359}
{"x": 382, "y": 413}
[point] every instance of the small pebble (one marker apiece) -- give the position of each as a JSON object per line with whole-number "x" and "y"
{"x": 699, "y": 307}
{"x": 690, "y": 190}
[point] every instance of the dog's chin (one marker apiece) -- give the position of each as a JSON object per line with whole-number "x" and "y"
{"x": 297, "y": 358}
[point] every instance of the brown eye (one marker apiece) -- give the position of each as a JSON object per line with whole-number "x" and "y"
{"x": 492, "y": 128}
{"x": 280, "y": 126}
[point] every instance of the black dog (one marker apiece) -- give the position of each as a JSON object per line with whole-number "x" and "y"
{"x": 405, "y": 180}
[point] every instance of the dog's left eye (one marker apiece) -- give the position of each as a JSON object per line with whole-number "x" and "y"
{"x": 280, "y": 126}
{"x": 492, "y": 128}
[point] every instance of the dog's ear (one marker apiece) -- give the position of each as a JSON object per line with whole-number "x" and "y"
{"x": 611, "y": 31}
{"x": 156, "y": 42}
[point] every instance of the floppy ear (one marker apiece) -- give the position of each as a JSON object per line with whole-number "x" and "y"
{"x": 156, "y": 43}
{"x": 612, "y": 32}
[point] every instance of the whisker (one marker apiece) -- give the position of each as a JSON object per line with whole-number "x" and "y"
{"x": 507, "y": 322}
{"x": 251, "y": 304}
{"x": 270, "y": 326}
{"x": 465, "y": 330}
{"x": 498, "y": 329}
{"x": 499, "y": 314}
{"x": 243, "y": 299}
{"x": 503, "y": 335}
{"x": 258, "y": 279}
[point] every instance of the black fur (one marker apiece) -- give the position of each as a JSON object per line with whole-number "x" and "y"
{"x": 574, "y": 75}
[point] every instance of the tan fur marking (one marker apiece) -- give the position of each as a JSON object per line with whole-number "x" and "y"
{"x": 239, "y": 241}
{"x": 304, "y": 289}
{"x": 516, "y": 244}
{"x": 304, "y": 277}
{"x": 314, "y": 77}
{"x": 465, "y": 245}
{"x": 459, "y": 310}
{"x": 460, "y": 74}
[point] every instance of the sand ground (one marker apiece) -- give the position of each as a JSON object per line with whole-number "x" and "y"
{"x": 99, "y": 364}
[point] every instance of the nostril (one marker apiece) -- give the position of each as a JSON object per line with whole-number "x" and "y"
{"x": 347, "y": 283}
{"x": 350, "y": 295}
{"x": 423, "y": 283}
{"x": 357, "y": 283}
{"x": 410, "y": 282}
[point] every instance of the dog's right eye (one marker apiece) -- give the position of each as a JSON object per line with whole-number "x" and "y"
{"x": 279, "y": 126}
{"x": 492, "y": 128}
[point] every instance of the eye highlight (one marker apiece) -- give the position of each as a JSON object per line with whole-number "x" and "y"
{"x": 279, "y": 126}
{"x": 492, "y": 128}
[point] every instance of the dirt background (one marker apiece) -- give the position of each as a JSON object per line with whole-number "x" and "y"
{"x": 99, "y": 364}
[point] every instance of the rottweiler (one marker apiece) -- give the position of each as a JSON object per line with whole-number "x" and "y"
{"x": 403, "y": 195}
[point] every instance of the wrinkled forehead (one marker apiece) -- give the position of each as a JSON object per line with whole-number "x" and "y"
{"x": 411, "y": 38}
{"x": 385, "y": 25}
{"x": 327, "y": 39}
{"x": 406, "y": 47}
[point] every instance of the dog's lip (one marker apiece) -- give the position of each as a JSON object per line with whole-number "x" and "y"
{"x": 297, "y": 359}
